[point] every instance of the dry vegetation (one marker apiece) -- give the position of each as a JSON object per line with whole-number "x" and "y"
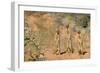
{"x": 56, "y": 36}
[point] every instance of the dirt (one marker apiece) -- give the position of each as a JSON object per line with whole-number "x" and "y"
{"x": 49, "y": 55}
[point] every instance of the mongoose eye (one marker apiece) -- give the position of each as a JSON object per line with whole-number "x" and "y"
{"x": 84, "y": 26}
{"x": 67, "y": 26}
{"x": 58, "y": 32}
{"x": 79, "y": 32}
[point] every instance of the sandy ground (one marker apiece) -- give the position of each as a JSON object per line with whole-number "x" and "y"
{"x": 49, "y": 55}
